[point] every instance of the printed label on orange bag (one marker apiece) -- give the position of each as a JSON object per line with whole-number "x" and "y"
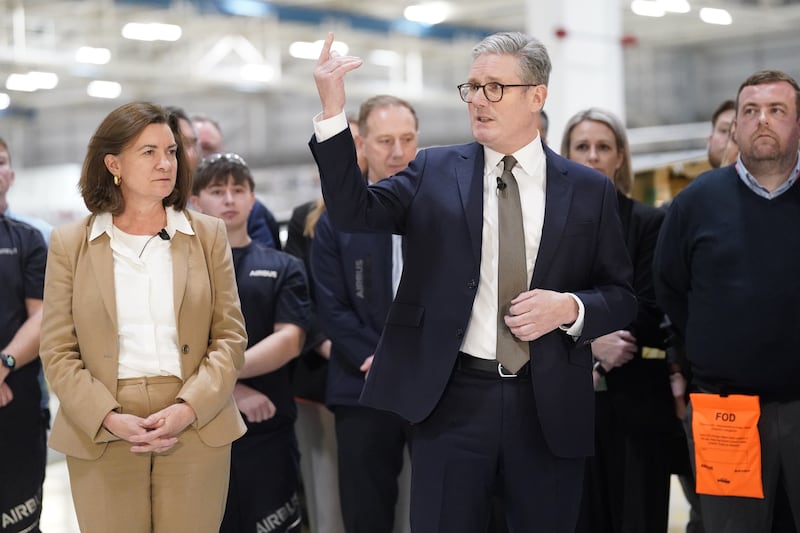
{"x": 727, "y": 448}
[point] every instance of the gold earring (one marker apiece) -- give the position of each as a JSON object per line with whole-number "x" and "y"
{"x": 117, "y": 180}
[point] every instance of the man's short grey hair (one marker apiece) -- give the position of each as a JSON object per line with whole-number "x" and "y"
{"x": 533, "y": 60}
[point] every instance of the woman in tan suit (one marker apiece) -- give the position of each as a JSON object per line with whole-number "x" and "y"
{"x": 142, "y": 337}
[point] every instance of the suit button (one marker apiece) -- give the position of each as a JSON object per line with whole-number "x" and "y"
{"x": 185, "y": 349}
{"x": 473, "y": 283}
{"x": 460, "y": 333}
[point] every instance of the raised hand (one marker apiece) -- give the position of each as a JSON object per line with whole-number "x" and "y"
{"x": 329, "y": 76}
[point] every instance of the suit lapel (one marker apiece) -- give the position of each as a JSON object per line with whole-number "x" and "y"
{"x": 469, "y": 176}
{"x": 181, "y": 263}
{"x": 558, "y": 197}
{"x": 102, "y": 261}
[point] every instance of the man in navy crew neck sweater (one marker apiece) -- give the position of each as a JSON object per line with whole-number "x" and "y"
{"x": 727, "y": 272}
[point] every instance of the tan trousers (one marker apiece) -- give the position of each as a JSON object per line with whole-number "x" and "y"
{"x": 183, "y": 490}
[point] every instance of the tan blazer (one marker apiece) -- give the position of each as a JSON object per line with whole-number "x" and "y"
{"x": 79, "y": 339}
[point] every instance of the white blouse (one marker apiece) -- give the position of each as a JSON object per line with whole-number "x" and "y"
{"x": 143, "y": 281}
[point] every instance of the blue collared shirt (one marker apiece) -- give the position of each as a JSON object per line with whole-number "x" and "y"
{"x": 756, "y": 187}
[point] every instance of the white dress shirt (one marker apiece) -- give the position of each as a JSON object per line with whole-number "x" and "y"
{"x": 397, "y": 262}
{"x": 148, "y": 335}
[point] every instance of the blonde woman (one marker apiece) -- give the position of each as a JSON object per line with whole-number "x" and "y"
{"x": 627, "y": 481}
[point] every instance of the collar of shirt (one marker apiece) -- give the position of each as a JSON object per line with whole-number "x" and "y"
{"x": 530, "y": 173}
{"x": 176, "y": 221}
{"x": 527, "y": 158}
{"x": 756, "y": 187}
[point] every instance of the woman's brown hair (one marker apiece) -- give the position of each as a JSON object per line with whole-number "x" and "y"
{"x": 121, "y": 127}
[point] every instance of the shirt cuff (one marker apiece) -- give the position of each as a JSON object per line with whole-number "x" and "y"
{"x": 326, "y": 128}
{"x": 576, "y": 328}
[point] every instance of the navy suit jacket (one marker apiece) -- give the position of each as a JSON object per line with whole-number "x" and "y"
{"x": 352, "y": 274}
{"x": 437, "y": 204}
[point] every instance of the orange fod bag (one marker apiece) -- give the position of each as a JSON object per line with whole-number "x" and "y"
{"x": 727, "y": 447}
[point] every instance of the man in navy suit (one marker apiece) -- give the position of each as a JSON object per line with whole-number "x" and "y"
{"x": 355, "y": 276}
{"x": 477, "y": 429}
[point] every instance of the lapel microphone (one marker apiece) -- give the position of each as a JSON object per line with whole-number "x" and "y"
{"x": 501, "y": 185}
{"x": 163, "y": 235}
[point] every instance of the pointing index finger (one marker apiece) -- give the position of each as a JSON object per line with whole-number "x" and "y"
{"x": 325, "y": 54}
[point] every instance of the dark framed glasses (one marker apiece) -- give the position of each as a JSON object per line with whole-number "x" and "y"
{"x": 493, "y": 91}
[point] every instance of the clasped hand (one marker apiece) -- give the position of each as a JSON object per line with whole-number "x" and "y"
{"x": 254, "y": 405}
{"x": 6, "y": 394}
{"x": 538, "y": 312}
{"x": 157, "y": 433}
{"x": 615, "y": 349}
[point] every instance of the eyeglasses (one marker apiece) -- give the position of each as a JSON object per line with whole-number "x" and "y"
{"x": 493, "y": 91}
{"x": 228, "y": 157}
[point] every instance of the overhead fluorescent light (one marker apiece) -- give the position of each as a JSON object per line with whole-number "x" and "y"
{"x": 255, "y": 72}
{"x": 428, "y": 13}
{"x": 94, "y": 56}
{"x": 307, "y": 50}
{"x": 32, "y": 81}
{"x": 647, "y": 8}
{"x": 675, "y": 6}
{"x": 104, "y": 89}
{"x": 384, "y": 58}
{"x": 151, "y": 31}
{"x": 20, "y": 82}
{"x": 43, "y": 80}
{"x": 711, "y": 15}
{"x": 5, "y": 101}
{"x": 304, "y": 50}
